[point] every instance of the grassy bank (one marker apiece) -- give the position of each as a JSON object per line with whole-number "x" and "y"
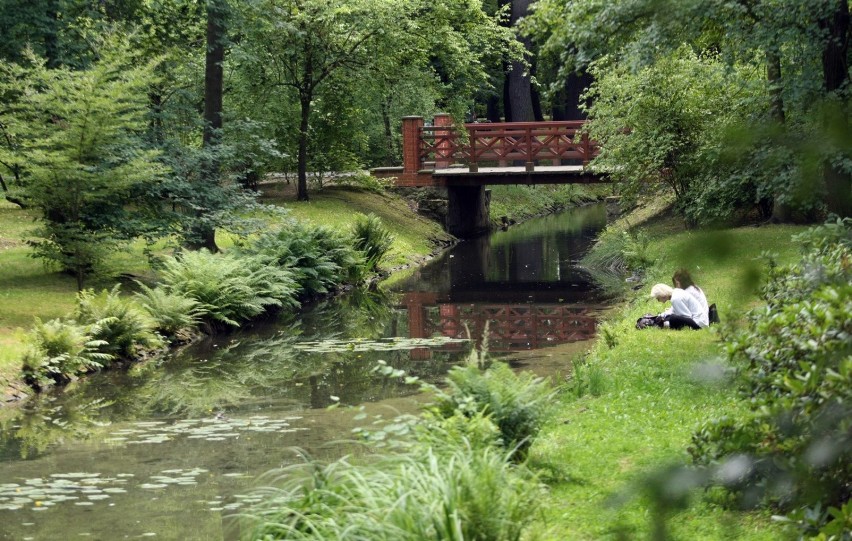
{"x": 29, "y": 289}
{"x": 519, "y": 202}
{"x": 634, "y": 403}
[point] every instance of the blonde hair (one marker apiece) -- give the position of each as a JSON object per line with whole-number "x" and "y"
{"x": 661, "y": 291}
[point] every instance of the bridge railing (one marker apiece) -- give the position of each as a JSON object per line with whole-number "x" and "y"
{"x": 503, "y": 144}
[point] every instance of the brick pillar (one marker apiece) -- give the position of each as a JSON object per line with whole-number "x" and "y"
{"x": 411, "y": 126}
{"x": 444, "y": 148}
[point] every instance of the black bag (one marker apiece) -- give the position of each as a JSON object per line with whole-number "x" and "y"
{"x": 713, "y": 314}
{"x": 649, "y": 320}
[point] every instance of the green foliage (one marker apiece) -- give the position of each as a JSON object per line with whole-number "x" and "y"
{"x": 58, "y": 351}
{"x": 796, "y": 377}
{"x": 173, "y": 313}
{"x": 615, "y": 254}
{"x": 653, "y": 124}
{"x": 586, "y": 378}
{"x": 319, "y": 258}
{"x": 84, "y": 151}
{"x": 372, "y": 238}
{"x": 516, "y": 403}
{"x": 443, "y": 488}
{"x": 119, "y": 322}
{"x": 229, "y": 289}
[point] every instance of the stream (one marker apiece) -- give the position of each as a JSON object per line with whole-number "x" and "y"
{"x": 174, "y": 448}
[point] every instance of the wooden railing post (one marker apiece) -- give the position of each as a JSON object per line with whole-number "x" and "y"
{"x": 530, "y": 165}
{"x": 443, "y": 146}
{"x": 587, "y": 149}
{"x": 411, "y": 128}
{"x": 473, "y": 163}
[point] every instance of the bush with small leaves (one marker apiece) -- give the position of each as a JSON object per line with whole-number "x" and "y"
{"x": 120, "y": 322}
{"x": 58, "y": 351}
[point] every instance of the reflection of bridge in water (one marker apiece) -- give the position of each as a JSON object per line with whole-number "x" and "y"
{"x": 510, "y": 326}
{"x": 523, "y": 285}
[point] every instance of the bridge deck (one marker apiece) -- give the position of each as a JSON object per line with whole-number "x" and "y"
{"x": 541, "y": 174}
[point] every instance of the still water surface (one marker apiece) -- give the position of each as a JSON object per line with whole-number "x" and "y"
{"x": 173, "y": 449}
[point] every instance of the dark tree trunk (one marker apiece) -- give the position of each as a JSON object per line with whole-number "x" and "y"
{"x": 780, "y": 211}
{"x": 213, "y": 72}
{"x": 51, "y": 35}
{"x": 492, "y": 109}
{"x": 566, "y": 106}
{"x": 10, "y": 198}
{"x": 519, "y": 87}
{"x": 836, "y": 76}
{"x": 302, "y": 184}
{"x": 213, "y": 90}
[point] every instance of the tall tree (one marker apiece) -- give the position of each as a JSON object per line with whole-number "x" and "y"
{"x": 299, "y": 44}
{"x": 85, "y": 153}
{"x": 521, "y": 99}
{"x": 213, "y": 91}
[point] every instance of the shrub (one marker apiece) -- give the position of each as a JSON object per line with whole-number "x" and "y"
{"x": 372, "y": 238}
{"x": 516, "y": 403}
{"x": 319, "y": 258}
{"x": 796, "y": 377}
{"x": 228, "y": 289}
{"x": 58, "y": 351}
{"x": 119, "y": 322}
{"x": 173, "y": 313}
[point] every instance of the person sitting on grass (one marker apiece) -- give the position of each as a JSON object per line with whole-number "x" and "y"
{"x": 685, "y": 310}
{"x": 683, "y": 280}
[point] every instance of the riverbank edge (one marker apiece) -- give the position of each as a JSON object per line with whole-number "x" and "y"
{"x": 14, "y": 392}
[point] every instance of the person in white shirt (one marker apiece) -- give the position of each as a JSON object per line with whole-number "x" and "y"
{"x": 683, "y": 280}
{"x": 686, "y": 310}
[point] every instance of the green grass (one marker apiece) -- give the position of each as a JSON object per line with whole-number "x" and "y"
{"x": 518, "y": 202}
{"x": 336, "y": 207}
{"x": 654, "y": 398}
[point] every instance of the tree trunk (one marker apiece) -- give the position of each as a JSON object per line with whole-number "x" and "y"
{"x": 390, "y": 144}
{"x": 780, "y": 211}
{"x": 566, "y": 106}
{"x": 51, "y": 35}
{"x": 9, "y": 198}
{"x": 302, "y": 185}
{"x": 519, "y": 87}
{"x": 213, "y": 90}
{"x": 835, "y": 76}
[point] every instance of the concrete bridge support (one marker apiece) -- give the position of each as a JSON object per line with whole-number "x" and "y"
{"x": 468, "y": 210}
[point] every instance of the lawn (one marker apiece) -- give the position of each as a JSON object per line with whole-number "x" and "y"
{"x": 644, "y": 393}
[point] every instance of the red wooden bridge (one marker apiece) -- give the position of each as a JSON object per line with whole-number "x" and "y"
{"x": 492, "y": 153}
{"x": 465, "y": 160}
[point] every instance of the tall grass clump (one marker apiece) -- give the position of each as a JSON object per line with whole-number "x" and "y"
{"x": 229, "y": 290}
{"x": 175, "y": 315}
{"x": 124, "y": 327}
{"x": 615, "y": 254}
{"x": 372, "y": 238}
{"x": 450, "y": 490}
{"x": 319, "y": 258}
{"x": 59, "y": 351}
